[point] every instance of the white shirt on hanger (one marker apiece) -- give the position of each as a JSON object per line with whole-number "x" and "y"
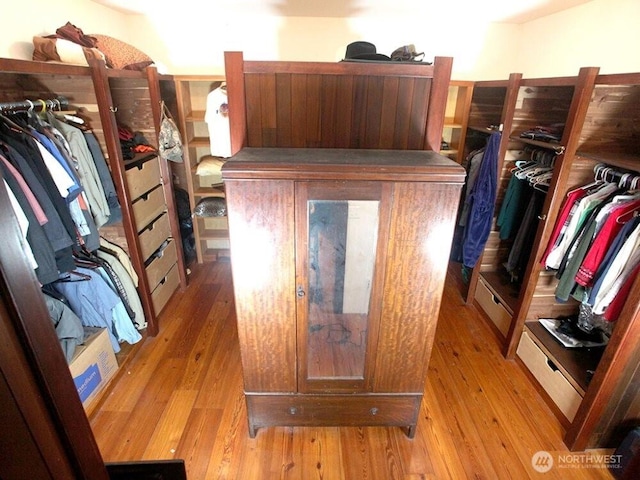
{"x": 217, "y": 118}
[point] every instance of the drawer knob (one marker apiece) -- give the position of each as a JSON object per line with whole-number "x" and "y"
{"x": 293, "y": 410}
{"x": 300, "y": 291}
{"x": 373, "y": 411}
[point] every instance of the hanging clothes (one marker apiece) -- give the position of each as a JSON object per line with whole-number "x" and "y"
{"x": 95, "y": 302}
{"x": 67, "y": 324}
{"x": 577, "y": 216}
{"x": 109, "y": 189}
{"x": 23, "y": 224}
{"x": 43, "y": 253}
{"x": 598, "y": 230}
{"x": 525, "y": 236}
{"x": 481, "y": 200}
{"x": 515, "y": 199}
{"x": 127, "y": 284}
{"x": 613, "y": 264}
{"x": 87, "y": 172}
{"x": 59, "y": 186}
{"x": 473, "y": 166}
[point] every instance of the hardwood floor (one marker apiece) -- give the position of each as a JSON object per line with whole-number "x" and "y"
{"x": 181, "y": 396}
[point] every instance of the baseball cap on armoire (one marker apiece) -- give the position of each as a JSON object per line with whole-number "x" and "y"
{"x": 364, "y": 51}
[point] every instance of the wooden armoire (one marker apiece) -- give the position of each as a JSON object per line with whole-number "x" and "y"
{"x": 338, "y": 254}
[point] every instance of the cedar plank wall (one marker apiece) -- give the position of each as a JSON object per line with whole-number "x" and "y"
{"x": 307, "y": 110}
{"x": 297, "y": 108}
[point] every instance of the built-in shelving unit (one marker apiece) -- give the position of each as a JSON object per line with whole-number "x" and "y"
{"x": 455, "y": 120}
{"x": 594, "y": 390}
{"x": 210, "y": 233}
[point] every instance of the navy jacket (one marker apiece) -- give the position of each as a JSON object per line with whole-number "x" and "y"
{"x": 480, "y": 202}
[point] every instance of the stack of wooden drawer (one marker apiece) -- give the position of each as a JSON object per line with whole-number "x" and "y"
{"x": 157, "y": 247}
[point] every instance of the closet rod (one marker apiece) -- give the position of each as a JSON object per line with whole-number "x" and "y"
{"x": 34, "y": 105}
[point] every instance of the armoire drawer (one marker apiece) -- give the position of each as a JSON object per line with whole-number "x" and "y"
{"x": 559, "y": 389}
{"x": 160, "y": 266}
{"x": 142, "y": 178}
{"x": 493, "y": 307}
{"x": 161, "y": 295}
{"x": 148, "y": 206}
{"x": 152, "y": 237}
{"x": 332, "y": 410}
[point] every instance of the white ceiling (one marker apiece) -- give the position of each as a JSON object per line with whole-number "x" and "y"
{"x": 508, "y": 11}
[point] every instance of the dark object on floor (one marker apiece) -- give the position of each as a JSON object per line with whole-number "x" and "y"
{"x": 186, "y": 224}
{"x": 147, "y": 470}
{"x": 625, "y": 464}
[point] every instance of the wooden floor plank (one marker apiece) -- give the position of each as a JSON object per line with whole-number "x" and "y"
{"x": 200, "y": 433}
{"x": 171, "y": 426}
{"x": 182, "y": 395}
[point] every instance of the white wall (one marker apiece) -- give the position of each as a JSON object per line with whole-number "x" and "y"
{"x": 22, "y": 20}
{"x": 479, "y": 52}
{"x": 600, "y": 33}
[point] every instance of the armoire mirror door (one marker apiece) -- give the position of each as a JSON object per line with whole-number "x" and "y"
{"x": 340, "y": 231}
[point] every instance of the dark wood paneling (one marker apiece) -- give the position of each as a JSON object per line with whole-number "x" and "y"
{"x": 541, "y": 105}
{"x": 283, "y": 110}
{"x": 612, "y": 124}
{"x": 486, "y": 105}
{"x": 312, "y": 110}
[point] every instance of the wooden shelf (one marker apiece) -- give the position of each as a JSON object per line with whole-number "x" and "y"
{"x": 486, "y": 130}
{"x": 577, "y": 364}
{"x": 537, "y": 143}
{"x": 138, "y": 159}
{"x": 199, "y": 142}
{"x": 620, "y": 160}
{"x": 213, "y": 234}
{"x": 200, "y": 192}
{"x": 456, "y": 115}
{"x": 195, "y": 116}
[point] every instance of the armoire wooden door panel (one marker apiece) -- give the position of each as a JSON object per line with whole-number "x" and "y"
{"x": 341, "y": 235}
{"x": 262, "y": 246}
{"x": 423, "y": 217}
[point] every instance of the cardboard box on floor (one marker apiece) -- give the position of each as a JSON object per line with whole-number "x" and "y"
{"x": 93, "y": 364}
